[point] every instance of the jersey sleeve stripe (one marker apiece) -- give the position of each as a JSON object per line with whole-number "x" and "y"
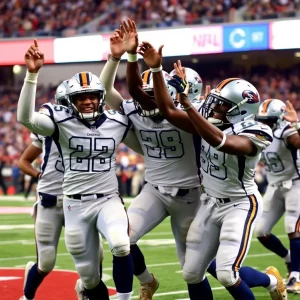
{"x": 262, "y": 135}
{"x": 126, "y": 131}
{"x": 246, "y": 233}
{"x": 225, "y": 82}
{"x": 67, "y": 119}
{"x": 48, "y": 143}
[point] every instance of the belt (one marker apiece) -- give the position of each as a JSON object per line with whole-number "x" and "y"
{"x": 181, "y": 192}
{"x": 223, "y": 200}
{"x": 80, "y": 196}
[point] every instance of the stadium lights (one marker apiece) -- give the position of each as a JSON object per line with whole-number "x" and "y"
{"x": 17, "y": 69}
{"x": 297, "y": 54}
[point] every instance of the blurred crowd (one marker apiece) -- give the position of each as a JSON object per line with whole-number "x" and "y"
{"x": 21, "y": 18}
{"x": 14, "y": 138}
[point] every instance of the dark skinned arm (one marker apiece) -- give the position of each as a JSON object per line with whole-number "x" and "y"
{"x": 30, "y": 154}
{"x": 135, "y": 86}
{"x": 167, "y": 107}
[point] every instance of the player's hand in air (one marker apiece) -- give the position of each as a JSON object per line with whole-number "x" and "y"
{"x": 116, "y": 44}
{"x": 34, "y": 58}
{"x": 180, "y": 83}
{"x": 130, "y": 36}
{"x": 290, "y": 113}
{"x": 151, "y": 57}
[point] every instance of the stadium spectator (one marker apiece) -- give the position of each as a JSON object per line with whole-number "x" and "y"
{"x": 20, "y": 18}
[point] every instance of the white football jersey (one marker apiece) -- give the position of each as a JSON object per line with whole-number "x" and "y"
{"x": 88, "y": 150}
{"x": 171, "y": 154}
{"x": 281, "y": 161}
{"x": 52, "y": 168}
{"x": 225, "y": 175}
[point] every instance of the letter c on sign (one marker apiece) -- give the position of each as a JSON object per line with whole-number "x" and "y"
{"x": 237, "y": 38}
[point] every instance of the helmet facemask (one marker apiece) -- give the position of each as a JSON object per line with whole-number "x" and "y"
{"x": 98, "y": 109}
{"x": 218, "y": 110}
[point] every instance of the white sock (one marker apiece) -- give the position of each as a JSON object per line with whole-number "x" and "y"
{"x": 287, "y": 258}
{"x": 273, "y": 282}
{"x": 295, "y": 275}
{"x": 124, "y": 296}
{"x": 145, "y": 277}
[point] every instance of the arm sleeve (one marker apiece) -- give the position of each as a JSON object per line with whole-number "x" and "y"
{"x": 132, "y": 142}
{"x": 38, "y": 123}
{"x": 107, "y": 77}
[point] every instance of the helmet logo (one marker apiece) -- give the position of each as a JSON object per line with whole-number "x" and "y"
{"x": 250, "y": 96}
{"x": 197, "y": 78}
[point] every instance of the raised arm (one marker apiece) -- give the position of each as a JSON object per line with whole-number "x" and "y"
{"x": 109, "y": 72}
{"x": 291, "y": 116}
{"x": 133, "y": 76}
{"x": 164, "y": 102}
{"x": 39, "y": 123}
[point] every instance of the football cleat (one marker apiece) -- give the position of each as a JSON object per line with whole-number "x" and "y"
{"x": 79, "y": 288}
{"x": 293, "y": 286}
{"x": 148, "y": 289}
{"x": 27, "y": 269}
{"x": 279, "y": 291}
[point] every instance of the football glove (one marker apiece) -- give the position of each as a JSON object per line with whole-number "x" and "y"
{"x": 180, "y": 84}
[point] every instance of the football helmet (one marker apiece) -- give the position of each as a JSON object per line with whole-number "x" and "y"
{"x": 271, "y": 113}
{"x": 195, "y": 82}
{"x": 148, "y": 87}
{"x": 60, "y": 94}
{"x": 85, "y": 82}
{"x": 232, "y": 101}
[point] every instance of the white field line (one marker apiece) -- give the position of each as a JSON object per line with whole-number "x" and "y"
{"x": 108, "y": 251}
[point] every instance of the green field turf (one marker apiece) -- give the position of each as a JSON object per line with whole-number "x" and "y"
{"x": 17, "y": 247}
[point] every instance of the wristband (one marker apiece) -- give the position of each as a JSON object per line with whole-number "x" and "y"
{"x": 187, "y": 108}
{"x": 31, "y": 77}
{"x": 222, "y": 143}
{"x": 132, "y": 57}
{"x": 154, "y": 70}
{"x": 296, "y": 125}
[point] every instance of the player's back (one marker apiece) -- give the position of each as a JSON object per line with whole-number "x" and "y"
{"x": 171, "y": 154}
{"x": 225, "y": 175}
{"x": 52, "y": 167}
{"x": 88, "y": 150}
{"x": 280, "y": 159}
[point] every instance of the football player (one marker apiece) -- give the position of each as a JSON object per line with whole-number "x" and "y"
{"x": 171, "y": 157}
{"x": 281, "y": 160}
{"x": 87, "y": 138}
{"x": 48, "y": 210}
{"x": 231, "y": 146}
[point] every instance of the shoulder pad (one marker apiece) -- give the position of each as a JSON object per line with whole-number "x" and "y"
{"x": 55, "y": 111}
{"x": 117, "y": 116}
{"x": 128, "y": 106}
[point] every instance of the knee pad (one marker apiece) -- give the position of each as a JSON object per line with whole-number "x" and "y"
{"x": 46, "y": 245}
{"x": 74, "y": 241}
{"x": 47, "y": 258}
{"x": 120, "y": 251}
{"x": 227, "y": 278}
{"x": 191, "y": 278}
{"x": 88, "y": 275}
{"x": 260, "y": 230}
{"x": 290, "y": 221}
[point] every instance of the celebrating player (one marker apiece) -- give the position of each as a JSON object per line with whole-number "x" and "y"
{"x": 230, "y": 150}
{"x": 87, "y": 138}
{"x": 171, "y": 156}
{"x": 282, "y": 195}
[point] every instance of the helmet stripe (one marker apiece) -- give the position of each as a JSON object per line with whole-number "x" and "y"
{"x": 146, "y": 77}
{"x": 266, "y": 105}
{"x": 84, "y": 79}
{"x": 225, "y": 82}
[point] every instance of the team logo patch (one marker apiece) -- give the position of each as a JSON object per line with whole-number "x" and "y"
{"x": 263, "y": 137}
{"x": 250, "y": 96}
